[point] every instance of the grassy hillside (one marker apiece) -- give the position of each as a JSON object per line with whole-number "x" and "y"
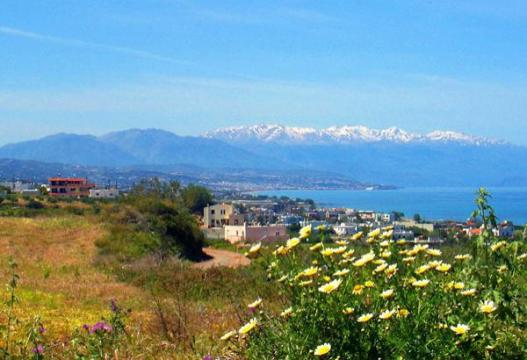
{"x": 177, "y": 311}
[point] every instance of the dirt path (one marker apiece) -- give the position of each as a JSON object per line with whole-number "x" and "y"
{"x": 222, "y": 258}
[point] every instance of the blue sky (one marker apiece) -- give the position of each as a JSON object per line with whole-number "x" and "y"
{"x": 93, "y": 66}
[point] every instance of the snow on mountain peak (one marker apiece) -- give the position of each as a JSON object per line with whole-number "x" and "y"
{"x": 346, "y": 134}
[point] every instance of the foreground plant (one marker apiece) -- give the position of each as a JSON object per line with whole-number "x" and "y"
{"x": 378, "y": 298}
{"x": 102, "y": 339}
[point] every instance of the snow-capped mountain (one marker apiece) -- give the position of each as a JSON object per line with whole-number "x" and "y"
{"x": 339, "y": 135}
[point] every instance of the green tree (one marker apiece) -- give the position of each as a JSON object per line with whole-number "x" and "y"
{"x": 43, "y": 190}
{"x": 196, "y": 197}
{"x": 398, "y": 215}
{"x": 417, "y": 218}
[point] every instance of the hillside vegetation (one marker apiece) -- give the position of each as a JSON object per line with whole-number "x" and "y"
{"x": 76, "y": 290}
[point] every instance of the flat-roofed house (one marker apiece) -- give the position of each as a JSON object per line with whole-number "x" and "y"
{"x": 220, "y": 215}
{"x": 256, "y": 233}
{"x": 70, "y": 187}
{"x": 104, "y": 193}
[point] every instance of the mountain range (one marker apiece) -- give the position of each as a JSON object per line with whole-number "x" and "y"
{"x": 340, "y": 135}
{"x": 343, "y": 156}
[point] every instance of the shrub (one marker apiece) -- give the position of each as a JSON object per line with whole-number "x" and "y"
{"x": 150, "y": 225}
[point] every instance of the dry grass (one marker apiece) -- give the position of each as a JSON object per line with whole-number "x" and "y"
{"x": 60, "y": 281}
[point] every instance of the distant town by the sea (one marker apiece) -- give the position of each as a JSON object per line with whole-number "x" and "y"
{"x": 432, "y": 203}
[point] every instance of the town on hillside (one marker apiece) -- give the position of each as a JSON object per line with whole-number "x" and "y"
{"x": 241, "y": 218}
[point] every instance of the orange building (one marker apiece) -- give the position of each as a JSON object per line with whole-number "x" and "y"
{"x": 72, "y": 187}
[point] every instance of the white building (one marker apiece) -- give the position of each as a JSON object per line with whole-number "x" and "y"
{"x": 346, "y": 229}
{"x": 104, "y": 193}
{"x": 505, "y": 230}
{"x": 257, "y": 233}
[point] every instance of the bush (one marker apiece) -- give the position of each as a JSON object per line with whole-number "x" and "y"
{"x": 34, "y": 204}
{"x": 142, "y": 225}
{"x": 196, "y": 198}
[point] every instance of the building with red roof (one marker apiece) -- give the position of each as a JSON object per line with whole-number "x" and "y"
{"x": 70, "y": 187}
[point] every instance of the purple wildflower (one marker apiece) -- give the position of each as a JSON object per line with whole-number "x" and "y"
{"x": 101, "y": 326}
{"x": 86, "y": 327}
{"x": 113, "y": 305}
{"x": 41, "y": 329}
{"x": 39, "y": 349}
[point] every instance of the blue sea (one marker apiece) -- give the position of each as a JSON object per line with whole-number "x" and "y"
{"x": 431, "y": 203}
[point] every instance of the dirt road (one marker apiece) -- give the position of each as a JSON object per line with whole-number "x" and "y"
{"x": 222, "y": 258}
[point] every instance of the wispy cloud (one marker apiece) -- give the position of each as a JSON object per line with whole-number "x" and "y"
{"x": 14, "y": 32}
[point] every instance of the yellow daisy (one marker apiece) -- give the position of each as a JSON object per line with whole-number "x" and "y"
{"x": 305, "y": 232}
{"x": 291, "y": 243}
{"x": 420, "y": 283}
{"x": 328, "y": 252}
{"x": 255, "y": 304}
{"x": 469, "y": 292}
{"x": 310, "y": 272}
{"x": 287, "y": 312}
{"x": 497, "y": 246}
{"x": 322, "y": 350}
{"x": 386, "y": 315}
{"x": 433, "y": 252}
{"x": 387, "y": 294}
{"x": 245, "y": 329}
{"x": 228, "y": 335}
{"x": 386, "y": 254}
{"x": 460, "y": 329}
{"x": 364, "y": 259}
{"x": 487, "y": 307}
{"x": 348, "y": 311}
{"x": 281, "y": 250}
{"x": 316, "y": 247}
{"x": 403, "y": 313}
{"x": 444, "y": 268}
{"x": 255, "y": 249}
{"x": 391, "y": 270}
{"x": 348, "y": 254}
{"x": 342, "y": 272}
{"x": 330, "y": 286}
{"x": 365, "y": 318}
{"x": 422, "y": 269}
{"x": 380, "y": 268}
{"x": 340, "y": 250}
{"x": 463, "y": 257}
{"x": 357, "y": 289}
{"x": 357, "y": 236}
{"x": 374, "y": 233}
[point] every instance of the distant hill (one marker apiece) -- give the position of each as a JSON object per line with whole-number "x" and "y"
{"x": 69, "y": 149}
{"x": 334, "y": 156}
{"x": 39, "y": 172}
{"x": 159, "y": 147}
